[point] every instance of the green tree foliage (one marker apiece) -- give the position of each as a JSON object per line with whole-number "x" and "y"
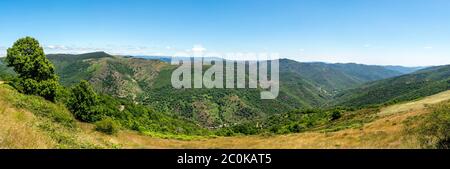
{"x": 408, "y": 87}
{"x": 88, "y": 106}
{"x": 336, "y": 114}
{"x": 434, "y": 131}
{"x": 84, "y": 103}
{"x": 145, "y": 119}
{"x": 291, "y": 122}
{"x": 108, "y": 126}
{"x": 36, "y": 74}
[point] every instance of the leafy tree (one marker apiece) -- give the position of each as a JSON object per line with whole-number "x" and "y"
{"x": 36, "y": 74}
{"x": 336, "y": 114}
{"x": 295, "y": 128}
{"x": 108, "y": 126}
{"x": 84, "y": 103}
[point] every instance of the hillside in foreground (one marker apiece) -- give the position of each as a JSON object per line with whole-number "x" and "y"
{"x": 48, "y": 125}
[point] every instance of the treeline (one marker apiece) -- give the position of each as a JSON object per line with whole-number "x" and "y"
{"x": 292, "y": 122}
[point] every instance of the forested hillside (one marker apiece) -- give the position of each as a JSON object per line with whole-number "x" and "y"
{"x": 336, "y": 77}
{"x": 422, "y": 83}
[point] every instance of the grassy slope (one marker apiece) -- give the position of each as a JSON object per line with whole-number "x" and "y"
{"x": 403, "y": 88}
{"x": 31, "y": 122}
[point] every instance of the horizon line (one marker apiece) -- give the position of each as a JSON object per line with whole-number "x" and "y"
{"x": 281, "y": 58}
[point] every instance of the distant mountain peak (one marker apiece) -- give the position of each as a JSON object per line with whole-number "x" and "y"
{"x": 92, "y": 55}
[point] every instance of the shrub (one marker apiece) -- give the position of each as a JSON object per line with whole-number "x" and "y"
{"x": 225, "y": 132}
{"x": 45, "y": 88}
{"x": 435, "y": 129}
{"x": 295, "y": 128}
{"x": 336, "y": 114}
{"x": 245, "y": 128}
{"x": 108, "y": 126}
{"x": 84, "y": 103}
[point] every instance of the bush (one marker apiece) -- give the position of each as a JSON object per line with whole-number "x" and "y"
{"x": 335, "y": 115}
{"x": 45, "y": 88}
{"x": 295, "y": 128}
{"x": 84, "y": 103}
{"x": 225, "y": 132}
{"x": 245, "y": 128}
{"x": 108, "y": 126}
{"x": 434, "y": 131}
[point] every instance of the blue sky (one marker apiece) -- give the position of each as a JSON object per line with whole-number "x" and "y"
{"x": 384, "y": 32}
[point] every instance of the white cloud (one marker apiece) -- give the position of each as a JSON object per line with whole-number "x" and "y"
{"x": 111, "y": 49}
{"x": 2, "y": 51}
{"x": 198, "y": 49}
{"x": 56, "y": 47}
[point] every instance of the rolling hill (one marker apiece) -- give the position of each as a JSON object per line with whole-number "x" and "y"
{"x": 336, "y": 77}
{"x": 404, "y": 70}
{"x": 422, "y": 83}
{"x": 118, "y": 76}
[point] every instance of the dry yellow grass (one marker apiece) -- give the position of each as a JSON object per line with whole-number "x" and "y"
{"x": 18, "y": 130}
{"x": 416, "y": 105}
